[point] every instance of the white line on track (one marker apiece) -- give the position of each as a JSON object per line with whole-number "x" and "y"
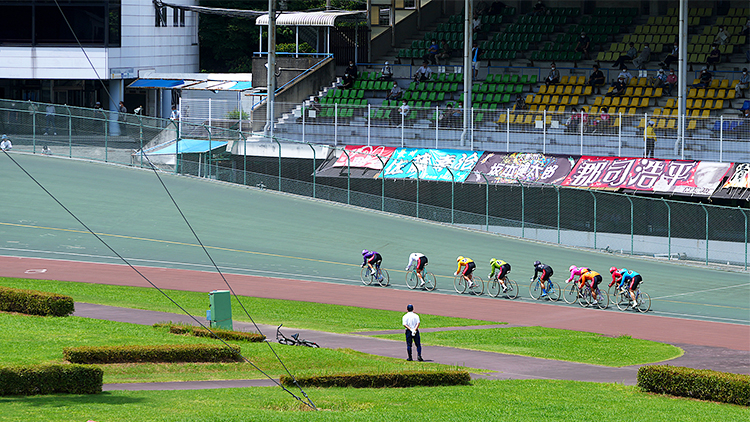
{"x": 703, "y": 291}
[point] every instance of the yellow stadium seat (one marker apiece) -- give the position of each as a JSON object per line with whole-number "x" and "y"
{"x": 615, "y": 101}
{"x": 719, "y": 104}
{"x": 648, "y": 92}
{"x": 658, "y": 92}
{"x": 543, "y": 89}
{"x": 708, "y": 104}
{"x": 553, "y": 100}
{"x": 598, "y": 101}
{"x": 672, "y": 124}
{"x": 670, "y": 103}
{"x": 657, "y": 112}
{"x": 587, "y": 90}
{"x": 563, "y": 80}
{"x": 568, "y": 90}
{"x": 692, "y": 125}
{"x": 559, "y": 90}
{"x": 638, "y": 92}
{"x": 574, "y": 100}
{"x": 565, "y": 100}
{"x": 607, "y": 101}
{"x": 706, "y": 114}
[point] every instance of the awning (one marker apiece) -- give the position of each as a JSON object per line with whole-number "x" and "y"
{"x": 186, "y": 146}
{"x": 208, "y": 82}
{"x": 157, "y": 83}
{"x": 326, "y": 18}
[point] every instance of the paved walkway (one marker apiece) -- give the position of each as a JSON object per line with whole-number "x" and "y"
{"x": 505, "y": 366}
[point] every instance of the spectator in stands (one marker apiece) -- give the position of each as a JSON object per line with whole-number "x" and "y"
{"x": 351, "y": 70}
{"x": 475, "y": 60}
{"x": 673, "y": 56}
{"x": 316, "y": 107}
{"x": 539, "y": 9}
{"x": 625, "y": 75}
{"x": 445, "y": 52}
{"x": 423, "y": 73}
{"x": 602, "y": 123}
{"x": 432, "y": 51}
{"x": 584, "y": 43}
{"x": 386, "y": 74}
{"x": 746, "y": 29}
{"x": 403, "y": 111}
{"x": 618, "y": 88}
{"x": 746, "y": 113}
{"x": 714, "y": 56}
{"x": 553, "y": 77}
{"x": 571, "y": 125}
{"x": 643, "y": 58}
{"x": 395, "y": 92}
{"x": 659, "y": 80}
{"x": 704, "y": 79}
{"x": 348, "y": 82}
{"x": 448, "y": 118}
{"x": 520, "y": 103}
{"x": 743, "y": 84}
{"x": 650, "y": 139}
{"x": 722, "y": 37}
{"x": 597, "y": 78}
{"x": 626, "y": 56}
{"x": 476, "y": 23}
{"x": 671, "y": 81}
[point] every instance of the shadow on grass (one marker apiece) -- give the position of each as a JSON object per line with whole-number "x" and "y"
{"x": 60, "y": 400}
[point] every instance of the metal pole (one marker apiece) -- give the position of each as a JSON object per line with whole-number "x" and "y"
{"x": 619, "y": 135}
{"x": 453, "y": 185}
{"x": 468, "y": 71}
{"x": 645, "y": 138}
{"x": 244, "y": 160}
{"x": 403, "y": 125}
{"x": 315, "y": 167}
{"x": 471, "y": 123}
{"x": 271, "y": 68}
{"x": 631, "y": 224}
{"x": 382, "y": 183}
{"x": 557, "y": 188}
{"x": 507, "y": 130}
{"x": 177, "y": 147}
{"x": 336, "y": 125}
{"x": 523, "y": 210}
{"x": 706, "y": 211}
{"x": 721, "y": 138}
{"x": 669, "y": 229}
{"x": 544, "y": 132}
{"x": 682, "y": 65}
{"x": 594, "y": 196}
{"x": 140, "y": 136}
{"x": 303, "y": 122}
{"x": 208, "y": 162}
{"x": 33, "y": 126}
{"x": 582, "y": 125}
{"x": 417, "y": 168}
{"x": 437, "y": 121}
{"x": 486, "y": 202}
{"x": 348, "y": 176}
{"x": 279, "y": 144}
{"x": 70, "y": 132}
{"x": 745, "y": 215}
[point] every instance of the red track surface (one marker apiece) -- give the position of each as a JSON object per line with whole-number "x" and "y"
{"x": 649, "y": 327}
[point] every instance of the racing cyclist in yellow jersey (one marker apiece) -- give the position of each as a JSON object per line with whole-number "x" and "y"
{"x": 503, "y": 268}
{"x": 468, "y": 268}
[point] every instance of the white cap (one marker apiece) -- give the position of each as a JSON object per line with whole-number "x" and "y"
{"x": 651, "y": 122}
{"x": 386, "y": 62}
{"x": 661, "y": 70}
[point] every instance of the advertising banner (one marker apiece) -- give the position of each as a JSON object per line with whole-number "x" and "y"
{"x": 503, "y": 168}
{"x": 698, "y": 178}
{"x": 362, "y": 156}
{"x": 740, "y": 178}
{"x": 431, "y": 164}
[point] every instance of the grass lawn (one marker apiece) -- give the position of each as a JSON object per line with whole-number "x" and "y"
{"x": 308, "y": 315}
{"x": 514, "y": 400}
{"x": 553, "y": 343}
{"x": 42, "y": 339}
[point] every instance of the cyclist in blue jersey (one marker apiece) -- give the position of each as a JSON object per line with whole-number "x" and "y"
{"x": 372, "y": 259}
{"x": 546, "y": 271}
{"x": 628, "y": 279}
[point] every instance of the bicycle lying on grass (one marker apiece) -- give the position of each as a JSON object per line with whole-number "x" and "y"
{"x": 536, "y": 292}
{"x": 294, "y": 340}
{"x": 413, "y": 281}
{"x": 381, "y": 276}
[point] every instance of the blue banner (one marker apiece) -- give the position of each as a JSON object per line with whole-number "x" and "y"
{"x": 432, "y": 164}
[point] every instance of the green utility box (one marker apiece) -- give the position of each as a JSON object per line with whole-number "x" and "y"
{"x": 220, "y": 312}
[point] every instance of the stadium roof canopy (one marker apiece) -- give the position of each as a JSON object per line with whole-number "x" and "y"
{"x": 322, "y": 18}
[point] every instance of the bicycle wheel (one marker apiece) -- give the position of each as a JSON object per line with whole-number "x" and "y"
{"x": 459, "y": 284}
{"x": 288, "y": 342}
{"x": 429, "y": 281}
{"x": 309, "y": 344}
{"x": 493, "y": 287}
{"x": 535, "y": 289}
{"x": 477, "y": 286}
{"x": 570, "y": 293}
{"x": 623, "y": 301}
{"x": 412, "y": 280}
{"x": 603, "y": 298}
{"x": 512, "y": 286}
{"x": 644, "y": 302}
{"x": 553, "y": 291}
{"x": 384, "y": 279}
{"x": 365, "y": 276}
{"x": 585, "y": 299}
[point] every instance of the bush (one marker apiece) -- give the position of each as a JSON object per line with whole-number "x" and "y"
{"x": 161, "y": 353}
{"x": 392, "y": 380}
{"x": 222, "y": 334}
{"x": 50, "y": 379}
{"x": 700, "y": 384}
{"x": 33, "y": 302}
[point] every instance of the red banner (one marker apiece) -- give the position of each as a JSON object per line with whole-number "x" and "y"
{"x": 688, "y": 177}
{"x": 365, "y": 157}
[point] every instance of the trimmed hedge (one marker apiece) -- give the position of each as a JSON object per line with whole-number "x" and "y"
{"x": 386, "y": 380}
{"x": 33, "y": 302}
{"x": 703, "y": 384}
{"x": 222, "y": 334}
{"x": 160, "y": 353}
{"x": 50, "y": 379}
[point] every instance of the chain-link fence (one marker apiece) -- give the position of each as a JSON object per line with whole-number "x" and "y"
{"x": 586, "y": 218}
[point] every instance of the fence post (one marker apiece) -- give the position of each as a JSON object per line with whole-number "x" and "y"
{"x": 336, "y": 125}
{"x": 416, "y": 168}
{"x": 544, "y": 131}
{"x": 177, "y": 147}
{"x": 721, "y": 138}
{"x": 33, "y": 126}
{"x": 744, "y": 215}
{"x": 140, "y": 136}
{"x": 208, "y": 156}
{"x": 593, "y": 196}
{"x": 244, "y": 159}
{"x": 507, "y": 130}
{"x": 437, "y": 125}
{"x": 581, "y": 124}
{"x": 382, "y": 183}
{"x": 303, "y": 121}
{"x": 669, "y": 229}
{"x": 523, "y": 210}
{"x": 619, "y": 135}
{"x": 279, "y": 144}
{"x": 315, "y": 167}
{"x": 557, "y": 188}
{"x": 453, "y": 188}
{"x": 70, "y": 133}
{"x": 706, "y": 211}
{"x": 403, "y": 127}
{"x": 631, "y": 223}
{"x": 486, "y": 202}
{"x": 348, "y": 176}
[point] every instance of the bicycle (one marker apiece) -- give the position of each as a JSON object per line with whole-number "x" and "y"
{"x": 624, "y": 300}
{"x": 412, "y": 280}
{"x": 587, "y": 299}
{"x": 460, "y": 284}
{"x": 294, "y": 340}
{"x": 381, "y": 276}
{"x": 494, "y": 288}
{"x": 571, "y": 294}
{"x": 535, "y": 290}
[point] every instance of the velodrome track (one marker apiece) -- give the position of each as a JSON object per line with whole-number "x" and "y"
{"x": 288, "y": 247}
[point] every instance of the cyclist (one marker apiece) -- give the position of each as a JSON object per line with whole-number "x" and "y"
{"x": 575, "y": 271}
{"x": 628, "y": 279}
{"x": 372, "y": 260}
{"x": 469, "y": 266}
{"x": 420, "y": 261}
{"x": 593, "y": 278}
{"x": 503, "y": 268}
{"x": 546, "y": 271}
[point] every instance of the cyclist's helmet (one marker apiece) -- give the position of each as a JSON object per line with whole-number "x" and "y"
{"x": 492, "y": 261}
{"x": 364, "y": 251}
{"x": 572, "y": 268}
{"x": 459, "y": 259}
{"x": 536, "y": 263}
{"x": 613, "y": 269}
